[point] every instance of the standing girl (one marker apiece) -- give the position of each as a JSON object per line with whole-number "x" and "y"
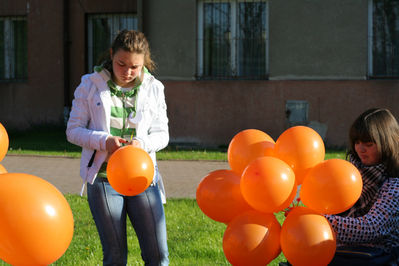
{"x": 121, "y": 103}
{"x": 368, "y": 233}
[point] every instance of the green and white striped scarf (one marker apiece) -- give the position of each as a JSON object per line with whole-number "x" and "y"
{"x": 124, "y": 102}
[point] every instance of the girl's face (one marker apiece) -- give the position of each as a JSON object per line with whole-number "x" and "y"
{"x": 367, "y": 152}
{"x": 126, "y": 66}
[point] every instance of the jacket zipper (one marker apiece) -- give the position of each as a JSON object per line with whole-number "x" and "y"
{"x": 123, "y": 115}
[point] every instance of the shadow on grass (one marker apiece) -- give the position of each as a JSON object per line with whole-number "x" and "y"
{"x": 46, "y": 138}
{"x": 53, "y": 138}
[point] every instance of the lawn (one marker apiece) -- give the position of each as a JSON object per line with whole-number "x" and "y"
{"x": 193, "y": 238}
{"x": 51, "y": 141}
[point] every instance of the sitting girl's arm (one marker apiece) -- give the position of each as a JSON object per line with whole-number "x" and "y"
{"x": 380, "y": 221}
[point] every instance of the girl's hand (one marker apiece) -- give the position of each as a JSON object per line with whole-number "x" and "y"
{"x": 113, "y": 143}
{"x": 135, "y": 143}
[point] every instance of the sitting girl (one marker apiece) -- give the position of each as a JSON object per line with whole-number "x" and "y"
{"x": 368, "y": 233}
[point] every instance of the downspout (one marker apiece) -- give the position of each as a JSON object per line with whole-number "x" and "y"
{"x": 139, "y": 10}
{"x": 66, "y": 43}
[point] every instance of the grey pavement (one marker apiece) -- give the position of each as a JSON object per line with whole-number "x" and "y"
{"x": 181, "y": 178}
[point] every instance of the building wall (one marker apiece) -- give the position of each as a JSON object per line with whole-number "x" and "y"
{"x": 212, "y": 112}
{"x": 40, "y": 99}
{"x": 317, "y": 53}
{"x": 311, "y": 39}
{"x": 52, "y": 54}
{"x": 316, "y": 39}
{"x": 170, "y": 27}
{"x": 77, "y": 38}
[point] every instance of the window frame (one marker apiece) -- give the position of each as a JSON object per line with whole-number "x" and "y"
{"x": 370, "y": 68}
{"x": 234, "y": 50}
{"x": 10, "y": 64}
{"x": 90, "y": 61}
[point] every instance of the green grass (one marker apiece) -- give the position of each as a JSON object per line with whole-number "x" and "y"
{"x": 193, "y": 238}
{"x": 335, "y": 154}
{"x": 171, "y": 153}
{"x": 51, "y": 141}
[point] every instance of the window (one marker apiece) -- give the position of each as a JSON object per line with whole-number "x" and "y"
{"x": 384, "y": 32}
{"x": 102, "y": 29}
{"x": 232, "y": 39}
{"x": 13, "y": 48}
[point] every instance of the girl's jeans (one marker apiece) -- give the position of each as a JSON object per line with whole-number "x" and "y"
{"x": 146, "y": 213}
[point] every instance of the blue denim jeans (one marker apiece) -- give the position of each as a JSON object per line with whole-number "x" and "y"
{"x": 110, "y": 210}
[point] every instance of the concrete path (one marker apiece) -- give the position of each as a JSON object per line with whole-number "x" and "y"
{"x": 181, "y": 178}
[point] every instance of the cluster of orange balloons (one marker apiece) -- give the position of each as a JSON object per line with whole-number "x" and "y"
{"x": 264, "y": 179}
{"x": 130, "y": 170}
{"x": 36, "y": 224}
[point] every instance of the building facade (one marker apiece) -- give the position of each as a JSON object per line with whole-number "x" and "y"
{"x": 226, "y": 65}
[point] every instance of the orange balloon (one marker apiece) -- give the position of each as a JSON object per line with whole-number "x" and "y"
{"x": 3, "y": 170}
{"x": 130, "y": 170}
{"x": 307, "y": 238}
{"x": 301, "y": 148}
{"x": 332, "y": 187}
{"x": 4, "y": 142}
{"x": 36, "y": 225}
{"x": 291, "y": 197}
{"x": 219, "y": 196}
{"x": 267, "y": 184}
{"x": 252, "y": 238}
{"x": 246, "y": 146}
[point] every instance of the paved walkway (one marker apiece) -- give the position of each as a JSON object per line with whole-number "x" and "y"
{"x": 181, "y": 178}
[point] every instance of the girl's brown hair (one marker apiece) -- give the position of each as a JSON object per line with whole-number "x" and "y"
{"x": 132, "y": 41}
{"x": 379, "y": 126}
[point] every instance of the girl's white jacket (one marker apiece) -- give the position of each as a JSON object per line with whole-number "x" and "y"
{"x": 89, "y": 122}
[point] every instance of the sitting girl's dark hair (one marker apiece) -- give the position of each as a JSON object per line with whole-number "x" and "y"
{"x": 379, "y": 126}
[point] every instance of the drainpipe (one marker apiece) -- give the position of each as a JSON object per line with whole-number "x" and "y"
{"x": 139, "y": 8}
{"x": 66, "y": 43}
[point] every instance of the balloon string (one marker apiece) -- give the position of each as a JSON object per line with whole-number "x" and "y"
{"x": 293, "y": 205}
